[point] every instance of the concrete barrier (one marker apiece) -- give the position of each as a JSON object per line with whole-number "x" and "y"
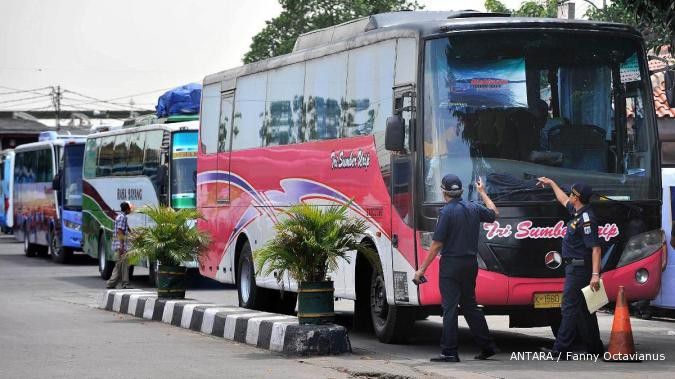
{"x": 275, "y": 332}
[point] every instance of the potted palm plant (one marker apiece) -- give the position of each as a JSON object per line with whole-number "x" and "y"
{"x": 171, "y": 239}
{"x": 309, "y": 243}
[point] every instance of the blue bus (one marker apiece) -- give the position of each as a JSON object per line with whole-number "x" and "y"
{"x": 48, "y": 195}
{"x": 6, "y": 186}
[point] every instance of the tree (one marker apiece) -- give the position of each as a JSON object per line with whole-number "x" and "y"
{"x": 301, "y": 16}
{"x": 530, "y": 8}
{"x": 655, "y": 19}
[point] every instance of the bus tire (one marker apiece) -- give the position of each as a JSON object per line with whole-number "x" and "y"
{"x": 250, "y": 295}
{"x": 105, "y": 267}
{"x": 59, "y": 254}
{"x": 29, "y": 249}
{"x": 391, "y": 323}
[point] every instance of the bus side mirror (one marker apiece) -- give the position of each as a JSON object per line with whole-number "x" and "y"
{"x": 394, "y": 137}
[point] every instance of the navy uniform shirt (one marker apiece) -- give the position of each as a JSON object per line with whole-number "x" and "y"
{"x": 582, "y": 233}
{"x": 458, "y": 227}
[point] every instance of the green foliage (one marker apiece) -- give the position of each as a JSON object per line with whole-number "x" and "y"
{"x": 301, "y": 16}
{"x": 171, "y": 240}
{"x": 655, "y": 19}
{"x": 530, "y": 8}
{"x": 310, "y": 241}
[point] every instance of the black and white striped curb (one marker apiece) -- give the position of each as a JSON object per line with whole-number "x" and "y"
{"x": 276, "y": 332}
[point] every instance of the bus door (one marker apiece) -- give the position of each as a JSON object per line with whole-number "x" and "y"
{"x": 402, "y": 232}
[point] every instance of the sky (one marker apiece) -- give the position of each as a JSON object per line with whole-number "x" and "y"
{"x": 119, "y": 50}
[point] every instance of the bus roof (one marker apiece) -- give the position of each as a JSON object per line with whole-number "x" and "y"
{"x": 171, "y": 127}
{"x": 75, "y": 140}
{"x": 371, "y": 29}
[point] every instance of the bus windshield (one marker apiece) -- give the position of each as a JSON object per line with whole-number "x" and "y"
{"x": 72, "y": 175}
{"x": 512, "y": 106}
{"x": 184, "y": 169}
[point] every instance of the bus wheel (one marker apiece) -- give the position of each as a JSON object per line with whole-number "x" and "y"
{"x": 392, "y": 323}
{"x": 250, "y": 295}
{"x": 28, "y": 248}
{"x": 105, "y": 267}
{"x": 58, "y": 253}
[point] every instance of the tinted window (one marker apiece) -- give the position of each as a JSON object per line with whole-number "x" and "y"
{"x": 210, "y": 117}
{"x": 369, "y": 91}
{"x": 120, "y": 155}
{"x": 135, "y": 154}
{"x": 151, "y": 162}
{"x": 91, "y": 157}
{"x": 283, "y": 113}
{"x": 72, "y": 175}
{"x": 105, "y": 157}
{"x": 225, "y": 122}
{"x": 325, "y": 90}
{"x": 249, "y": 109}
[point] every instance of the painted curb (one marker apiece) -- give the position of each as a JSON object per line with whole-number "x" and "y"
{"x": 271, "y": 331}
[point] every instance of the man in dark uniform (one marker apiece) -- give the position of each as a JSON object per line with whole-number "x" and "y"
{"x": 581, "y": 255}
{"x": 456, "y": 238}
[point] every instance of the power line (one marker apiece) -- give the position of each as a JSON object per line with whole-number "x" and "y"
{"x": 18, "y": 91}
{"x": 22, "y": 99}
{"x": 96, "y": 100}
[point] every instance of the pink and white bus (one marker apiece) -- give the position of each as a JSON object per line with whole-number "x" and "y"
{"x": 380, "y": 108}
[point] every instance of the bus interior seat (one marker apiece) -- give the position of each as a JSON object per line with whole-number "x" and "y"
{"x": 582, "y": 146}
{"x": 524, "y": 124}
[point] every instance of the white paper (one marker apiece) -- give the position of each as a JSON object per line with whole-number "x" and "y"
{"x": 595, "y": 299}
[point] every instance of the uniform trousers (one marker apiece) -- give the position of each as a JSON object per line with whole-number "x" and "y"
{"x": 457, "y": 282}
{"x": 574, "y": 311}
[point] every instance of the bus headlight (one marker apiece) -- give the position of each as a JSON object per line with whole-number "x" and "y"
{"x": 640, "y": 246}
{"x": 641, "y": 276}
{"x": 72, "y": 225}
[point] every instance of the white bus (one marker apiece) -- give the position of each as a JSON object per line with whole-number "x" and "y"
{"x": 144, "y": 165}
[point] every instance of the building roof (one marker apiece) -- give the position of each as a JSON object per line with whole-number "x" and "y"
{"x": 21, "y": 126}
{"x": 663, "y": 109}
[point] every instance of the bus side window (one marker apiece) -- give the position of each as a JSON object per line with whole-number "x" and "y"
{"x": 135, "y": 154}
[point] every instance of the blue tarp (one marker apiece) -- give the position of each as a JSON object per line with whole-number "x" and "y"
{"x": 180, "y": 100}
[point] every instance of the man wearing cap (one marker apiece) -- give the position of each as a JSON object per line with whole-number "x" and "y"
{"x": 581, "y": 255}
{"x": 119, "y": 247}
{"x": 456, "y": 239}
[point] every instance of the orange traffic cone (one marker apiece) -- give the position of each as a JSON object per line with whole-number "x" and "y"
{"x": 621, "y": 347}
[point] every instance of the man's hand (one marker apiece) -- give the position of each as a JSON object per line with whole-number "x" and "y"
{"x": 480, "y": 187}
{"x": 544, "y": 181}
{"x": 419, "y": 274}
{"x": 595, "y": 283}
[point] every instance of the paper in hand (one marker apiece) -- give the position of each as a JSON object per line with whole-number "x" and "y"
{"x": 595, "y": 299}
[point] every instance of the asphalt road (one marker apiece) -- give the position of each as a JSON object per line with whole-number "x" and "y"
{"x": 50, "y": 327}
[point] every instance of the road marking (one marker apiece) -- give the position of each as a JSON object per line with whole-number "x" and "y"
{"x": 253, "y": 328}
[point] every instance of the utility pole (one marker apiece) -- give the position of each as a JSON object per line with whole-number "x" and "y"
{"x": 57, "y": 106}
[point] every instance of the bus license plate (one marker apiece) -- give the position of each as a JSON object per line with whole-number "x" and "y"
{"x": 547, "y": 300}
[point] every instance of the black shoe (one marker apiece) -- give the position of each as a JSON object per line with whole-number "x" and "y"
{"x": 445, "y": 358}
{"x": 485, "y": 354}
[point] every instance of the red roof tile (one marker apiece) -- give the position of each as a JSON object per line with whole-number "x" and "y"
{"x": 663, "y": 109}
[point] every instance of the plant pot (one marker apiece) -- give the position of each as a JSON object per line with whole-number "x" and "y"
{"x": 171, "y": 282}
{"x": 315, "y": 302}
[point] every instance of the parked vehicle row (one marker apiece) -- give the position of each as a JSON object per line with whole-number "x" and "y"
{"x": 372, "y": 114}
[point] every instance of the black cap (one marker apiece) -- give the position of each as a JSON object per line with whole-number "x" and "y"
{"x": 451, "y": 182}
{"x": 583, "y": 191}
